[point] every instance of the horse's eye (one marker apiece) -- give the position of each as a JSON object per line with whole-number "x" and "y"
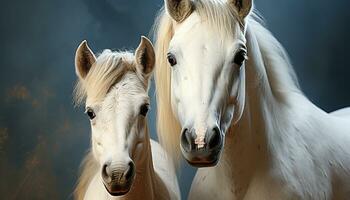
{"x": 240, "y": 57}
{"x": 171, "y": 59}
{"x": 90, "y": 113}
{"x": 144, "y": 109}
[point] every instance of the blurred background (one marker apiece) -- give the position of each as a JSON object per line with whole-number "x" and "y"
{"x": 43, "y": 138}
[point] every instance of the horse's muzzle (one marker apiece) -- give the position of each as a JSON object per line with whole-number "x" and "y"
{"x": 205, "y": 154}
{"x": 118, "y": 179}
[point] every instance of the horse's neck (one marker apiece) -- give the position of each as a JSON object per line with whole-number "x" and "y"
{"x": 248, "y": 143}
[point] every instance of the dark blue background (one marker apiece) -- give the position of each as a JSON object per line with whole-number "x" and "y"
{"x": 43, "y": 137}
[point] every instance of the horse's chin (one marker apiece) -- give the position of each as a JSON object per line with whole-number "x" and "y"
{"x": 118, "y": 189}
{"x": 202, "y": 158}
{"x": 201, "y": 164}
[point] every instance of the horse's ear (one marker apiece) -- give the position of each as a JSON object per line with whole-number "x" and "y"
{"x": 84, "y": 59}
{"x": 179, "y": 10}
{"x": 145, "y": 56}
{"x": 243, "y": 7}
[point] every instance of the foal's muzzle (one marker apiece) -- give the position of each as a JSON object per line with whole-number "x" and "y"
{"x": 118, "y": 178}
{"x": 206, "y": 155}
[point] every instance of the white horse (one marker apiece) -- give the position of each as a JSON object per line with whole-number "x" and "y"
{"x": 228, "y": 94}
{"x": 124, "y": 162}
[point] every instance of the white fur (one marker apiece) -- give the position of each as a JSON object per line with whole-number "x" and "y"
{"x": 278, "y": 144}
{"x": 345, "y": 112}
{"x": 120, "y": 133}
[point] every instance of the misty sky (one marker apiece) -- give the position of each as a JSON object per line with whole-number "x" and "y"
{"x": 43, "y": 138}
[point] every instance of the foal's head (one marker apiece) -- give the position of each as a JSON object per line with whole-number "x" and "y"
{"x": 206, "y": 54}
{"x": 115, "y": 85}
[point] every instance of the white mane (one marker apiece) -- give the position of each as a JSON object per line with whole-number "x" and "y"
{"x": 108, "y": 69}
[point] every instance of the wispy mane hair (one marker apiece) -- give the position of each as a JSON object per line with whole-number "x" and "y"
{"x": 105, "y": 72}
{"x": 88, "y": 169}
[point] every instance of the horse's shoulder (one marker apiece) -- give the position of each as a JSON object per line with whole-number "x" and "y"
{"x": 159, "y": 154}
{"x": 344, "y": 112}
{"x": 165, "y": 169}
{"x": 161, "y": 160}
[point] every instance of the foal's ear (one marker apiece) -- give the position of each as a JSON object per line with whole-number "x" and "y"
{"x": 179, "y": 10}
{"x": 84, "y": 59}
{"x": 145, "y": 57}
{"x": 243, "y": 7}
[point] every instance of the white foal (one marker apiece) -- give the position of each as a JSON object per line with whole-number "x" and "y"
{"x": 124, "y": 163}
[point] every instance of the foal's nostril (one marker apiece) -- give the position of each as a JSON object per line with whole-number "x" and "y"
{"x": 106, "y": 173}
{"x": 215, "y": 138}
{"x": 111, "y": 176}
{"x": 129, "y": 173}
{"x": 187, "y": 142}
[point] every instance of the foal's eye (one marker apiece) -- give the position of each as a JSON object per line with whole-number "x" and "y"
{"x": 144, "y": 109}
{"x": 240, "y": 57}
{"x": 171, "y": 59}
{"x": 90, "y": 113}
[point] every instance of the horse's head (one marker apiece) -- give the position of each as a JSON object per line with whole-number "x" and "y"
{"x": 115, "y": 86}
{"x": 207, "y": 54}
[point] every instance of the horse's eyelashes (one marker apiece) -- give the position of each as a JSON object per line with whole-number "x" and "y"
{"x": 240, "y": 57}
{"x": 171, "y": 59}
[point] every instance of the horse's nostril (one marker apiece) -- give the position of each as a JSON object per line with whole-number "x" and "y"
{"x": 115, "y": 175}
{"x": 130, "y": 171}
{"x": 215, "y": 138}
{"x": 106, "y": 174}
{"x": 184, "y": 141}
{"x": 187, "y": 142}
